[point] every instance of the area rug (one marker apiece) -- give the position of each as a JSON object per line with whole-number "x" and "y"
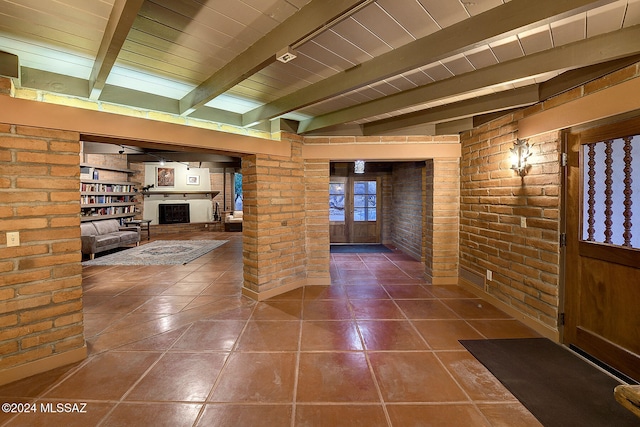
{"x": 555, "y": 385}
{"x": 353, "y": 249}
{"x": 159, "y": 252}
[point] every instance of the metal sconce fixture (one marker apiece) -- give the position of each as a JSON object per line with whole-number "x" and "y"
{"x": 520, "y": 152}
{"x": 358, "y": 166}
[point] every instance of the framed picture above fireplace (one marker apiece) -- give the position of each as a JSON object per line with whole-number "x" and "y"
{"x": 166, "y": 177}
{"x": 193, "y": 179}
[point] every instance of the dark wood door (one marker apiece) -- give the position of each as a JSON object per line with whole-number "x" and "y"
{"x": 602, "y": 282}
{"x": 354, "y": 210}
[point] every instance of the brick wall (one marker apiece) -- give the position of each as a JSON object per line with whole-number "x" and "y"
{"x": 495, "y": 199}
{"x": 40, "y": 280}
{"x": 407, "y": 209}
{"x": 274, "y": 222}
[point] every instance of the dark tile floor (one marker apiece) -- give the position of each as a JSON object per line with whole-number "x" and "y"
{"x": 180, "y": 346}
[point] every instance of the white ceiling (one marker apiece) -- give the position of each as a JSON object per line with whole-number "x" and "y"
{"x": 378, "y": 66}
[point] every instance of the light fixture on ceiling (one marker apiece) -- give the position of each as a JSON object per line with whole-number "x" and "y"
{"x": 520, "y": 153}
{"x": 358, "y": 166}
{"x": 287, "y": 54}
{"x": 161, "y": 162}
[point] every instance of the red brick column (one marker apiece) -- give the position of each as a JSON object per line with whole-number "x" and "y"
{"x": 40, "y": 280}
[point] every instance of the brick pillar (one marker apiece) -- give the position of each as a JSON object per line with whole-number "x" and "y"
{"x": 317, "y": 221}
{"x": 274, "y": 236}
{"x": 41, "y": 324}
{"x": 442, "y": 177}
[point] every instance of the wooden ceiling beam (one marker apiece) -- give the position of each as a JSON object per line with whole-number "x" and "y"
{"x": 505, "y": 20}
{"x": 500, "y": 101}
{"x": 602, "y": 48}
{"x": 123, "y": 14}
{"x": 310, "y": 18}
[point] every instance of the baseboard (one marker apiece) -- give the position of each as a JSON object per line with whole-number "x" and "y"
{"x": 261, "y": 296}
{"x": 539, "y": 327}
{"x": 38, "y": 366}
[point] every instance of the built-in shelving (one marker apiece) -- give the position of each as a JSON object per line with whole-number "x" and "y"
{"x": 107, "y": 198}
{"x": 211, "y": 194}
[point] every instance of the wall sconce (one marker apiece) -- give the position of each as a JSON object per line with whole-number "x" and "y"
{"x": 519, "y": 155}
{"x": 358, "y": 166}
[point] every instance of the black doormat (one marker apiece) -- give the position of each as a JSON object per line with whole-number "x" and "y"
{"x": 363, "y": 249}
{"x": 558, "y": 387}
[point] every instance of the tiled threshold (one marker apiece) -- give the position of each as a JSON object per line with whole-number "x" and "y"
{"x": 180, "y": 346}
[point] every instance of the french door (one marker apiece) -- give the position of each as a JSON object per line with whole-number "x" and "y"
{"x": 602, "y": 285}
{"x": 354, "y": 210}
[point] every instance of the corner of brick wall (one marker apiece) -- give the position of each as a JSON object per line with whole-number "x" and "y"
{"x": 494, "y": 199}
{"x": 274, "y": 225}
{"x": 40, "y": 280}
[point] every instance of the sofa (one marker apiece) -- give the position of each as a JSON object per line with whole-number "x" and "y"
{"x": 99, "y": 236}
{"x": 233, "y": 221}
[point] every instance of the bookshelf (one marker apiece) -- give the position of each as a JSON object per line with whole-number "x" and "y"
{"x": 110, "y": 198}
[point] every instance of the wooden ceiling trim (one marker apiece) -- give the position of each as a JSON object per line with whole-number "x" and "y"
{"x": 508, "y": 19}
{"x": 583, "y": 53}
{"x": 123, "y": 15}
{"x": 262, "y": 53}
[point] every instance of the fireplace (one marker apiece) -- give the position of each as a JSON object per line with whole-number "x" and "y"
{"x": 174, "y": 213}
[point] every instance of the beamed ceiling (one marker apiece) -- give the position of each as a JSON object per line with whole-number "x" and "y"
{"x": 373, "y": 67}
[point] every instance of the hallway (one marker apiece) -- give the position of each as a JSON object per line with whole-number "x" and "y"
{"x": 180, "y": 346}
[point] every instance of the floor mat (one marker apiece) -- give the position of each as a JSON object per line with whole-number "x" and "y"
{"x": 353, "y": 249}
{"x": 557, "y": 386}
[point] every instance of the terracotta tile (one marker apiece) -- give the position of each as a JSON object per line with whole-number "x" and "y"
{"x": 330, "y": 336}
{"x": 186, "y": 288}
{"x": 218, "y": 288}
{"x": 507, "y": 328}
{"x": 150, "y": 288}
{"x": 449, "y": 291}
{"x": 206, "y": 335}
{"x": 375, "y": 309}
{"x": 224, "y": 415}
{"x": 78, "y": 414}
{"x": 326, "y": 310}
{"x": 200, "y": 276}
{"x": 295, "y": 294}
{"x": 444, "y": 334}
{"x": 159, "y": 342}
{"x": 330, "y": 292}
{"x": 477, "y": 381}
{"x": 475, "y": 309}
{"x": 270, "y": 335}
{"x": 278, "y": 310}
{"x": 436, "y": 415}
{"x": 426, "y": 309}
{"x": 36, "y": 385}
{"x": 114, "y": 304}
{"x": 408, "y": 292}
{"x": 179, "y": 377}
{"x": 390, "y": 335}
{"x": 257, "y": 377}
{"x": 423, "y": 378}
{"x": 105, "y": 376}
{"x": 165, "y": 304}
{"x": 346, "y": 415}
{"x": 335, "y": 377}
{"x": 109, "y": 288}
{"x": 366, "y": 292}
{"x": 153, "y": 414}
{"x": 508, "y": 415}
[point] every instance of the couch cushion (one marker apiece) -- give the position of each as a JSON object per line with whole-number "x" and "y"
{"x": 107, "y": 240}
{"x": 126, "y": 236}
{"x": 88, "y": 229}
{"x": 107, "y": 226}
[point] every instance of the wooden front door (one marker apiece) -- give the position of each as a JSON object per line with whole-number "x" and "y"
{"x": 602, "y": 285}
{"x": 354, "y": 210}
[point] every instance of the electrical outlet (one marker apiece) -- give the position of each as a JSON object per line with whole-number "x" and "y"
{"x": 523, "y": 222}
{"x": 13, "y": 239}
{"x": 489, "y": 275}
